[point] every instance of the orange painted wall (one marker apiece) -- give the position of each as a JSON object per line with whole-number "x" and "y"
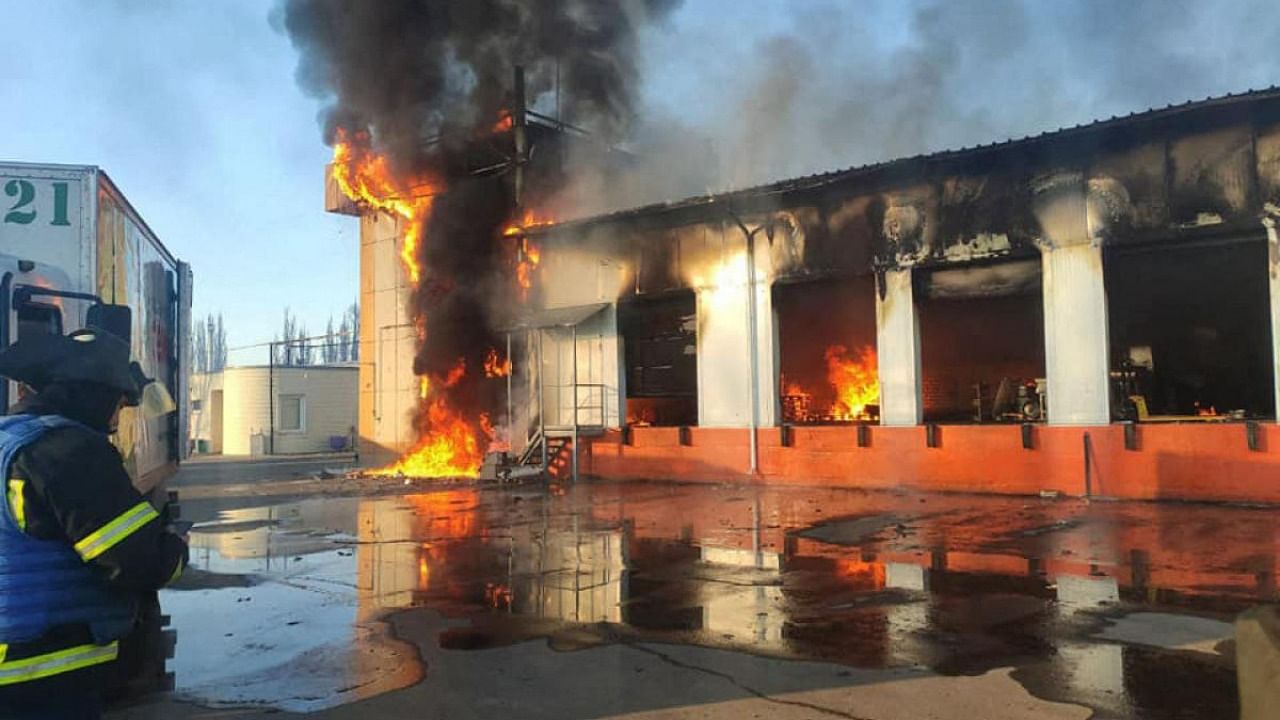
{"x": 1206, "y": 462}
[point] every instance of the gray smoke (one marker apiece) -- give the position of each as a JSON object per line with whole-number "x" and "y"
{"x": 796, "y": 87}
{"x": 409, "y": 70}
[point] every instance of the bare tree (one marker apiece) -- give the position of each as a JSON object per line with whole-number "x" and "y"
{"x": 303, "y": 348}
{"x": 218, "y": 347}
{"x": 200, "y": 349}
{"x": 342, "y": 343}
{"x": 353, "y": 313}
{"x": 286, "y": 354}
{"x": 209, "y": 350}
{"x": 329, "y": 351}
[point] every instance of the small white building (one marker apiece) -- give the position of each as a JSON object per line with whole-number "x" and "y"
{"x": 314, "y": 410}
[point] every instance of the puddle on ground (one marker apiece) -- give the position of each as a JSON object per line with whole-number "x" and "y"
{"x": 956, "y": 585}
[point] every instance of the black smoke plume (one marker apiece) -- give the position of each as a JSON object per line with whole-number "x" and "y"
{"x": 428, "y": 81}
{"x": 410, "y": 70}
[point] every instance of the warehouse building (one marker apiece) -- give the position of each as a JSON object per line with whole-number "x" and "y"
{"x": 1090, "y": 311}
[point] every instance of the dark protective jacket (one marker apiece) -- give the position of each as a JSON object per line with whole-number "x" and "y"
{"x": 72, "y": 488}
{"x": 46, "y": 583}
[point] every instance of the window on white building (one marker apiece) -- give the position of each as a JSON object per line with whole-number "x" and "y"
{"x": 292, "y": 413}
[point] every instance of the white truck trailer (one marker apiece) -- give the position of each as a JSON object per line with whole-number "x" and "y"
{"x": 68, "y": 239}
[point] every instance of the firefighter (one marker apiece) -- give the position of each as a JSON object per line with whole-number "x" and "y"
{"x": 80, "y": 549}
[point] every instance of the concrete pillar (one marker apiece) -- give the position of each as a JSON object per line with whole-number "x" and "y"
{"x": 388, "y": 387}
{"x": 898, "y": 350}
{"x": 724, "y": 345}
{"x": 1073, "y": 227}
{"x": 1075, "y": 334}
{"x": 1270, "y": 221}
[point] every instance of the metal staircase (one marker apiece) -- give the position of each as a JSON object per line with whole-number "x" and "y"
{"x": 549, "y": 450}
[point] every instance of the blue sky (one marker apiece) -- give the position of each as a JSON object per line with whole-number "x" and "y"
{"x": 193, "y": 110}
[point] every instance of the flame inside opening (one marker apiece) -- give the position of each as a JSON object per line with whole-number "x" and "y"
{"x": 448, "y": 445}
{"x": 856, "y": 381}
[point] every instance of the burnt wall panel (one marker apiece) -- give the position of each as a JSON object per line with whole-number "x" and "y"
{"x": 1162, "y": 178}
{"x": 705, "y": 248}
{"x": 984, "y": 208}
{"x": 807, "y": 246}
{"x": 1211, "y": 175}
{"x": 908, "y": 223}
{"x": 657, "y": 262}
{"x": 1127, "y": 188}
{"x": 850, "y": 236}
{"x": 1267, "y": 146}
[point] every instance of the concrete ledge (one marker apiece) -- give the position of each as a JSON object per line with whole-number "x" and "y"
{"x": 1191, "y": 461}
{"x": 1258, "y": 662}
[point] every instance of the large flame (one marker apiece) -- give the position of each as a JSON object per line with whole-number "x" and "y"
{"x": 448, "y": 444}
{"x": 855, "y": 380}
{"x": 365, "y": 176}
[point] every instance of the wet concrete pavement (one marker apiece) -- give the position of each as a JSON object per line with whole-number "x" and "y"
{"x": 218, "y": 470}
{"x": 647, "y": 600}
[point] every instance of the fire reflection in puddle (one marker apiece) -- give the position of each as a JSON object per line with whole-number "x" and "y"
{"x": 952, "y": 584}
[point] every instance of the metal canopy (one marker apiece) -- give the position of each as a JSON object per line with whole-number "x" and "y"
{"x": 556, "y": 317}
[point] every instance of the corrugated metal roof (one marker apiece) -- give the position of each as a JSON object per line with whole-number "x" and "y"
{"x": 816, "y": 180}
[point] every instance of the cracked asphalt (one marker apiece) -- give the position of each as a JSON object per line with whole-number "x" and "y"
{"x": 674, "y": 601}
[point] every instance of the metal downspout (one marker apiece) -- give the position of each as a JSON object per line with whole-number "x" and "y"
{"x": 753, "y": 342}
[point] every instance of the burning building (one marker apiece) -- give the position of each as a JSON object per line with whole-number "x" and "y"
{"x": 447, "y": 163}
{"x": 446, "y": 262}
{"x": 1090, "y": 311}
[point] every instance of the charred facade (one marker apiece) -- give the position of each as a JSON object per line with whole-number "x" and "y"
{"x": 1114, "y": 271}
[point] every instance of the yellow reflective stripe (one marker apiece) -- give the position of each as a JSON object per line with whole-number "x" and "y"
{"x": 177, "y": 573}
{"x": 18, "y": 502}
{"x": 56, "y": 663}
{"x": 105, "y": 537}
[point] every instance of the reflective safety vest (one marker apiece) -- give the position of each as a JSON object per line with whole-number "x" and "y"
{"x": 48, "y": 583}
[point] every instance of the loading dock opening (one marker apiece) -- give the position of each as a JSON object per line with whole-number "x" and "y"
{"x": 982, "y": 343}
{"x": 827, "y": 346}
{"x": 659, "y": 337}
{"x": 1190, "y": 332}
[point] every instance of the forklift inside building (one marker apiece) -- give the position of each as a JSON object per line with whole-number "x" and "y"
{"x": 1190, "y": 331}
{"x": 982, "y": 342}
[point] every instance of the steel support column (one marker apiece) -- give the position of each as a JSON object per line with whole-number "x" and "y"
{"x": 1075, "y": 335}
{"x": 1271, "y": 221}
{"x": 898, "y": 349}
